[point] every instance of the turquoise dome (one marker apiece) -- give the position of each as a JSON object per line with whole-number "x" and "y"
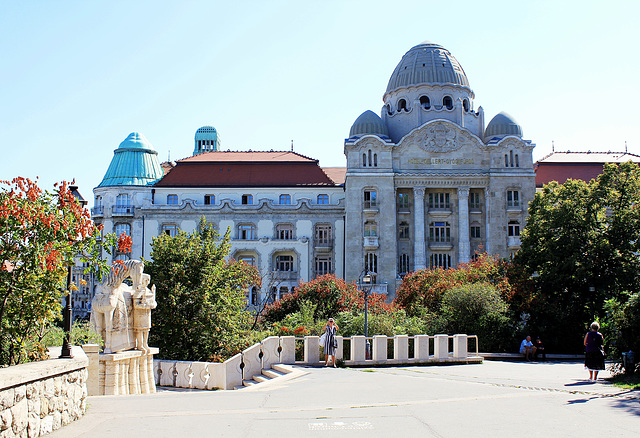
{"x": 501, "y": 125}
{"x": 368, "y": 123}
{"x": 134, "y": 163}
{"x": 427, "y": 63}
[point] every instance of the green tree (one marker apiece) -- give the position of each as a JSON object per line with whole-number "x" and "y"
{"x": 201, "y": 297}
{"x": 580, "y": 245}
{"x": 41, "y": 234}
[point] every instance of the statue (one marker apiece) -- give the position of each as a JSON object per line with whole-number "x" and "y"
{"x": 120, "y": 313}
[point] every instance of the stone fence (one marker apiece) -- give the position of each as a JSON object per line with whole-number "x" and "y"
{"x": 39, "y": 397}
{"x": 353, "y": 351}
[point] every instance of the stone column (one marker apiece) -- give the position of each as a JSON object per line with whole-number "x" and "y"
{"x": 464, "y": 248}
{"x": 487, "y": 240}
{"x": 419, "y": 256}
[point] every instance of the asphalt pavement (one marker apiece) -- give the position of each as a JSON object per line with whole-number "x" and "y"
{"x": 493, "y": 399}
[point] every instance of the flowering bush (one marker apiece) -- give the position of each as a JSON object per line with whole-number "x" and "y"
{"x": 42, "y": 233}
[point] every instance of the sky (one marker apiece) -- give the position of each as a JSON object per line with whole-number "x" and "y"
{"x": 76, "y": 77}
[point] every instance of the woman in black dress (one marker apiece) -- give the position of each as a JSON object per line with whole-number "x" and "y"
{"x": 330, "y": 330}
{"x": 594, "y": 348}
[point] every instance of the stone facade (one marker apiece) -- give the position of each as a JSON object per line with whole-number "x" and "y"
{"x": 38, "y": 398}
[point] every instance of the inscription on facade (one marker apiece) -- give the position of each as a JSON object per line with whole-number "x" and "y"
{"x": 440, "y": 161}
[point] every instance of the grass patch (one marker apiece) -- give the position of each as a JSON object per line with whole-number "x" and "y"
{"x": 626, "y": 381}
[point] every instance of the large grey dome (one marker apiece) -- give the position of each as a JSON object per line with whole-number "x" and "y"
{"x": 502, "y": 124}
{"x": 368, "y": 123}
{"x": 427, "y": 63}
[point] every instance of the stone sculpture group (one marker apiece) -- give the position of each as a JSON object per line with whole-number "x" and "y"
{"x": 121, "y": 315}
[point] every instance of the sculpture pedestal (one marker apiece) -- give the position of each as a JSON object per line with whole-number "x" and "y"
{"x": 126, "y": 372}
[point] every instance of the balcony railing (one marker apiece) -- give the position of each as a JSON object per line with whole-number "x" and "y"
{"x": 122, "y": 210}
{"x": 323, "y": 245}
{"x": 285, "y": 275}
{"x": 97, "y": 211}
{"x": 441, "y": 243}
{"x": 514, "y": 206}
{"x": 371, "y": 205}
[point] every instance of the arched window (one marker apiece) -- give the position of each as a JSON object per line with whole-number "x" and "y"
{"x": 209, "y": 199}
{"x": 253, "y": 298}
{"x": 402, "y": 105}
{"x": 249, "y": 259}
{"x": 447, "y": 102}
{"x": 425, "y": 102}
{"x": 465, "y": 105}
{"x": 370, "y": 229}
{"x": 439, "y": 232}
{"x": 375, "y": 160}
{"x": 364, "y": 160}
{"x": 403, "y": 264}
{"x": 511, "y": 158}
{"x": 517, "y": 161}
{"x": 389, "y": 111}
{"x": 285, "y": 199}
{"x": 323, "y": 199}
{"x": 246, "y": 232}
{"x": 172, "y": 199}
{"x": 370, "y": 161}
{"x": 506, "y": 160}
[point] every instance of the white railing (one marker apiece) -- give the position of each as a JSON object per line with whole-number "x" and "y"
{"x": 383, "y": 350}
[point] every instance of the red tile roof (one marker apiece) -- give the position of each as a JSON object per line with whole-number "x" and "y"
{"x": 246, "y": 169}
{"x": 337, "y": 174}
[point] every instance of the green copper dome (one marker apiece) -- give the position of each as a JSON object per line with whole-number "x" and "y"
{"x": 134, "y": 163}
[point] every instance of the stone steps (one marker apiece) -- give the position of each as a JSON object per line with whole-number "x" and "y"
{"x": 277, "y": 370}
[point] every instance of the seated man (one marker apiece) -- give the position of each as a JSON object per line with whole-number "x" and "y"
{"x": 527, "y": 348}
{"x": 539, "y": 349}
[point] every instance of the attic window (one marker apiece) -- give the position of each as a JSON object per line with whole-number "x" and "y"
{"x": 447, "y": 102}
{"x": 425, "y": 102}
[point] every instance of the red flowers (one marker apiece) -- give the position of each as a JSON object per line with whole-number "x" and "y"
{"x": 124, "y": 243}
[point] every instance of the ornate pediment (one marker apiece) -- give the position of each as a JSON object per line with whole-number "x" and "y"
{"x": 371, "y": 141}
{"x": 439, "y": 136}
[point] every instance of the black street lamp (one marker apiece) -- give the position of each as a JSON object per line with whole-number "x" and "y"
{"x": 67, "y": 316}
{"x": 366, "y": 280}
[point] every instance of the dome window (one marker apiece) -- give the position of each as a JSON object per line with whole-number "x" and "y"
{"x": 425, "y": 102}
{"x": 465, "y": 105}
{"x": 389, "y": 111}
{"x": 402, "y": 105}
{"x": 447, "y": 102}
{"x": 364, "y": 160}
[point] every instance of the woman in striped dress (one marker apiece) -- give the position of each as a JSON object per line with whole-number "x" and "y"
{"x": 330, "y": 330}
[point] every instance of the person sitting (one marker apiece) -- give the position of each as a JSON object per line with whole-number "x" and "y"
{"x": 527, "y": 348}
{"x": 539, "y": 349}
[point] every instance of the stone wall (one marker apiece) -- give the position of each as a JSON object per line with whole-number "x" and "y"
{"x": 39, "y": 397}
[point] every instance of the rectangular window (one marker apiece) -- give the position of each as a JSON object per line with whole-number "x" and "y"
{"x": 284, "y": 231}
{"x": 246, "y": 232}
{"x": 323, "y": 234}
{"x": 323, "y": 266}
{"x": 403, "y": 264}
{"x": 285, "y": 199}
{"x": 209, "y": 199}
{"x": 440, "y": 261}
{"x": 284, "y": 263}
{"x": 513, "y": 198}
{"x": 403, "y": 230}
{"x": 475, "y": 232}
{"x": 249, "y": 260}
{"x": 403, "y": 201}
{"x": 370, "y": 199}
{"x": 172, "y": 199}
{"x": 247, "y": 199}
{"x": 513, "y": 228}
{"x": 170, "y": 230}
{"x": 439, "y": 200}
{"x": 474, "y": 200}
{"x": 123, "y": 228}
{"x": 439, "y": 232}
{"x": 323, "y": 199}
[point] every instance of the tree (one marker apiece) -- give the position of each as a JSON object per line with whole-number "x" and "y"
{"x": 201, "y": 297}
{"x": 581, "y": 245}
{"x": 41, "y": 234}
{"x": 330, "y": 295}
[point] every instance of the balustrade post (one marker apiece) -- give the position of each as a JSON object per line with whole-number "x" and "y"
{"x": 441, "y": 347}
{"x": 288, "y": 350}
{"x": 311, "y": 350}
{"x": 460, "y": 346}
{"x": 421, "y": 347}
{"x": 357, "y": 348}
{"x": 379, "y": 348}
{"x": 401, "y": 348}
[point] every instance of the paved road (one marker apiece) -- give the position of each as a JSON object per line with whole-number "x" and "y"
{"x": 494, "y": 399}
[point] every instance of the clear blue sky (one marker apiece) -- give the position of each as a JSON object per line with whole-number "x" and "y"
{"x": 76, "y": 77}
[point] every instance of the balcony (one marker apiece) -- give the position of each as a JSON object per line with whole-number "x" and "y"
{"x": 285, "y": 275}
{"x": 440, "y": 212}
{"x": 122, "y": 210}
{"x": 443, "y": 244}
{"x": 97, "y": 211}
{"x": 323, "y": 245}
{"x": 513, "y": 242}
{"x": 370, "y": 207}
{"x": 370, "y": 242}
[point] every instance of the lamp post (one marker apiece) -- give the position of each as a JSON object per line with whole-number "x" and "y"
{"x": 67, "y": 316}
{"x": 366, "y": 280}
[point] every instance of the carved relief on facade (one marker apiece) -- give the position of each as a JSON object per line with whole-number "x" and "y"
{"x": 440, "y": 137}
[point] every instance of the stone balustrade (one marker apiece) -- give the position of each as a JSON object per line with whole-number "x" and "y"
{"x": 394, "y": 350}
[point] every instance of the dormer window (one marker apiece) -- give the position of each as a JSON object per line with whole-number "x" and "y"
{"x": 447, "y": 102}
{"x": 425, "y": 102}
